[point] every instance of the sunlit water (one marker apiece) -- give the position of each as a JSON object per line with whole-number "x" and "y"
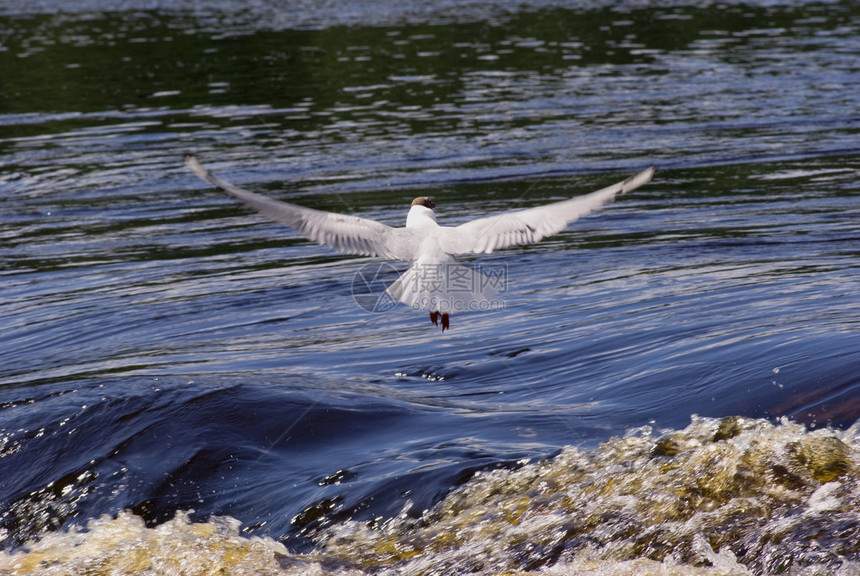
{"x": 670, "y": 386}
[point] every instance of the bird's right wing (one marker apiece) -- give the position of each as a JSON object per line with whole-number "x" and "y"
{"x": 343, "y": 233}
{"x": 532, "y": 224}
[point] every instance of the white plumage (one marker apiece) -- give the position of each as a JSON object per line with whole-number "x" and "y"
{"x": 434, "y": 281}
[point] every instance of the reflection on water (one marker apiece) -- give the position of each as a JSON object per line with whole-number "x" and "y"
{"x": 186, "y": 384}
{"x": 544, "y": 91}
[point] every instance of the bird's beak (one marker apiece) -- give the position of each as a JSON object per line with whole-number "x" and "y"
{"x": 430, "y": 203}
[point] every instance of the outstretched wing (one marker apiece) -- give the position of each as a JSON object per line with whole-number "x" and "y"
{"x": 531, "y": 225}
{"x": 347, "y": 234}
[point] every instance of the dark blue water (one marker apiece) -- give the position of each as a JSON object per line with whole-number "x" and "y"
{"x": 165, "y": 351}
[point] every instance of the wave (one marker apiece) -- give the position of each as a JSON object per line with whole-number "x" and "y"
{"x": 721, "y": 496}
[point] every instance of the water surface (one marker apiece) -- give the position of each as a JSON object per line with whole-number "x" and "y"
{"x": 670, "y": 384}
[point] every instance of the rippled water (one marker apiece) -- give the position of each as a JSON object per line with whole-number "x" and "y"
{"x": 671, "y": 386}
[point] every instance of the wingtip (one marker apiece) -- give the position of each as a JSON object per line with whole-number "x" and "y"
{"x": 637, "y": 180}
{"x": 195, "y": 166}
{"x": 646, "y": 174}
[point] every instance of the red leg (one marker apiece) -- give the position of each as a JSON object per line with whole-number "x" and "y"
{"x": 445, "y": 322}
{"x": 434, "y": 318}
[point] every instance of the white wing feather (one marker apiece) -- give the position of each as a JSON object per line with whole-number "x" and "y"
{"x": 347, "y": 234}
{"x": 531, "y": 225}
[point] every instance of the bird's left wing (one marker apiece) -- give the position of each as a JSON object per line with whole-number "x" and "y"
{"x": 347, "y": 234}
{"x": 531, "y": 225}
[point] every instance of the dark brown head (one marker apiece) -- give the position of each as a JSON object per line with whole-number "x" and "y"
{"x": 424, "y": 201}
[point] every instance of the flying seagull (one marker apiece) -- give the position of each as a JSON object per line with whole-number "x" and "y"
{"x": 434, "y": 282}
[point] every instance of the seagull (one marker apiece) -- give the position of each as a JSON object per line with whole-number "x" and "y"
{"x": 435, "y": 282}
